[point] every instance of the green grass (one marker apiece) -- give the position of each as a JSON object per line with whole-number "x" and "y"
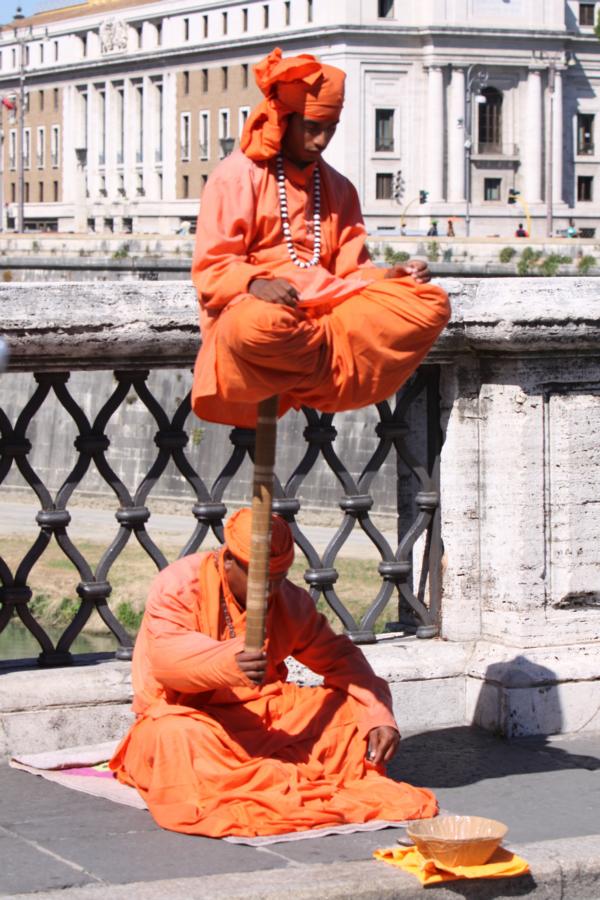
{"x": 54, "y": 579}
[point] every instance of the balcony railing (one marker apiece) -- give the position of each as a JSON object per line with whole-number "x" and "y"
{"x": 586, "y": 150}
{"x": 496, "y": 151}
{"x": 404, "y": 431}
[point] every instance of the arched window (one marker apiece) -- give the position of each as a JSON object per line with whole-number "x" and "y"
{"x": 490, "y": 121}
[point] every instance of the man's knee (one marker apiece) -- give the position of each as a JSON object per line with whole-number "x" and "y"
{"x": 255, "y": 323}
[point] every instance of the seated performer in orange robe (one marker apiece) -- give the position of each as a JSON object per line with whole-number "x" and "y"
{"x": 223, "y": 744}
{"x": 290, "y": 302}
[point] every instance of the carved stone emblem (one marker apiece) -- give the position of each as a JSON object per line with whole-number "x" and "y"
{"x": 113, "y": 36}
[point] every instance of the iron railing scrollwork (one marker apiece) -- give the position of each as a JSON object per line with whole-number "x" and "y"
{"x": 92, "y": 445}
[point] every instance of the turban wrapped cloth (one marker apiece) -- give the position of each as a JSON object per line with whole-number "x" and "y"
{"x": 297, "y": 84}
{"x": 238, "y": 534}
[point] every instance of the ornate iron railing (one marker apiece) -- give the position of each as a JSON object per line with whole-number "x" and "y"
{"x": 418, "y": 510}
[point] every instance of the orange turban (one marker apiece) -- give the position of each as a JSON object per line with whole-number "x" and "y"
{"x": 298, "y": 84}
{"x": 237, "y": 538}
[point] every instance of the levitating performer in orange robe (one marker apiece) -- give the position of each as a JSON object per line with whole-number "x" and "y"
{"x": 222, "y": 743}
{"x": 290, "y": 302}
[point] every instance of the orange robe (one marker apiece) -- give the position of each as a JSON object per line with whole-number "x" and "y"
{"x": 213, "y": 754}
{"x": 354, "y": 339}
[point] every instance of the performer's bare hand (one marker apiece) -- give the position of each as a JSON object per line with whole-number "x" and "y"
{"x": 275, "y": 290}
{"x": 382, "y": 744}
{"x": 416, "y": 268}
{"x": 253, "y": 663}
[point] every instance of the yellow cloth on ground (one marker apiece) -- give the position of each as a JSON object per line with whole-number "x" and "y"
{"x": 503, "y": 864}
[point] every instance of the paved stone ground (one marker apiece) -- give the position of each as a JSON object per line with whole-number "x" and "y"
{"x": 90, "y": 521}
{"x": 53, "y": 839}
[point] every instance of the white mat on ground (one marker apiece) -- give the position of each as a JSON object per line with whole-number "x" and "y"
{"x": 84, "y": 769}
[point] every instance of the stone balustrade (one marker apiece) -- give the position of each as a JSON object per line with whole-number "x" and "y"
{"x": 519, "y": 472}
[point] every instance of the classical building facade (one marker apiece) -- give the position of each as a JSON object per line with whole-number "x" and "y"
{"x": 454, "y": 107}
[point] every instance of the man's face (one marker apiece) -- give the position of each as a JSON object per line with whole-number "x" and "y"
{"x": 306, "y": 139}
{"x": 237, "y": 577}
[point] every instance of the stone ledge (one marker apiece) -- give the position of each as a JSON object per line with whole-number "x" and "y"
{"x": 86, "y": 325}
{"x": 568, "y": 869}
{"x": 434, "y": 684}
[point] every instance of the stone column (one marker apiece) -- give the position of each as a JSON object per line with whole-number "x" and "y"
{"x": 532, "y": 183}
{"x": 435, "y": 133}
{"x": 457, "y": 136}
{"x": 558, "y": 138}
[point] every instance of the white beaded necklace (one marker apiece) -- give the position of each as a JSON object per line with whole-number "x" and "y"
{"x": 285, "y": 222}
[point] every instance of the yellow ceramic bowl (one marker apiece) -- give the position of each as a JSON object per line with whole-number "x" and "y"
{"x": 457, "y": 840}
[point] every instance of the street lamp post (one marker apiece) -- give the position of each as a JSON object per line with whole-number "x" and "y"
{"x": 476, "y": 75}
{"x": 21, "y": 39}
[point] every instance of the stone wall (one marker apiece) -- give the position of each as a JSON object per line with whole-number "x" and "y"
{"x": 520, "y": 482}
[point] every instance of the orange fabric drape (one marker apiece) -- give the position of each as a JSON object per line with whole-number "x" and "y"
{"x": 296, "y": 84}
{"x": 213, "y": 754}
{"x": 317, "y": 356}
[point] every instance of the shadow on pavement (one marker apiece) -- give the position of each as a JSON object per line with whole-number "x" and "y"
{"x": 452, "y": 757}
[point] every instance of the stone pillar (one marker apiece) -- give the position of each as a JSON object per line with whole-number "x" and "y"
{"x": 435, "y": 133}
{"x": 532, "y": 183}
{"x": 558, "y": 138}
{"x": 456, "y": 137}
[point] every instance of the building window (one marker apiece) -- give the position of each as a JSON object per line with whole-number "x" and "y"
{"x": 385, "y": 9}
{"x": 55, "y": 146}
{"x": 138, "y": 32}
{"x": 185, "y": 186}
{"x": 243, "y": 117}
{"x": 41, "y": 96}
{"x": 244, "y": 75}
{"x": 26, "y": 192}
{"x": 103, "y": 191}
{"x": 244, "y": 20}
{"x": 12, "y": 149}
{"x": 223, "y": 130}
{"x": 55, "y": 191}
{"x": 286, "y": 7}
{"x": 186, "y": 29}
{"x": 159, "y": 185}
{"x": 266, "y": 15}
{"x": 204, "y": 179}
{"x": 27, "y": 148}
{"x": 13, "y": 191}
{"x": 384, "y": 130}
{"x": 158, "y": 34}
{"x": 55, "y": 99}
{"x": 224, "y": 23}
{"x": 0, "y": 59}
{"x": 139, "y": 184}
{"x": 186, "y": 82}
{"x": 84, "y": 44}
{"x": 585, "y": 134}
{"x": 41, "y": 53}
{"x": 490, "y": 121}
{"x": 204, "y": 134}
{"x": 309, "y": 10}
{"x": 27, "y": 55}
{"x": 204, "y": 81}
{"x": 224, "y": 77}
{"x": 491, "y": 189}
{"x": 40, "y": 147}
{"x": 55, "y": 51}
{"x": 120, "y": 116}
{"x": 384, "y": 186}
{"x": 586, "y": 13}
{"x": 185, "y": 136}
{"x": 585, "y": 191}
{"x": 14, "y": 58}
{"x": 205, "y": 26}
{"x": 40, "y": 191}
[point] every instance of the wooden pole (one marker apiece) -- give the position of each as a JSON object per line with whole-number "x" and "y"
{"x": 260, "y": 540}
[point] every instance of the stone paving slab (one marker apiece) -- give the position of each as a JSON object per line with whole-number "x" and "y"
{"x": 547, "y": 791}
